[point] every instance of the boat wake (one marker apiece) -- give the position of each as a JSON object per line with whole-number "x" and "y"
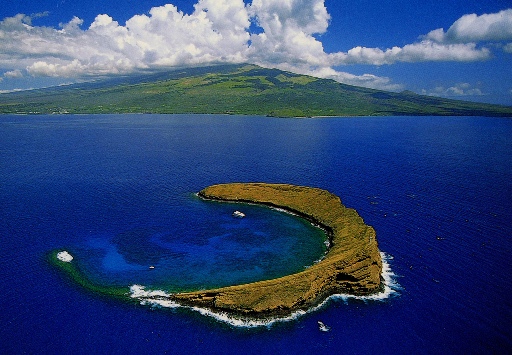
{"x": 159, "y": 298}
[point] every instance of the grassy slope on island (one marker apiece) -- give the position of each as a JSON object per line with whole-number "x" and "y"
{"x": 234, "y": 89}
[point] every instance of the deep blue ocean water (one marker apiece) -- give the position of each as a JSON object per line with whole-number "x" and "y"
{"x": 117, "y": 191}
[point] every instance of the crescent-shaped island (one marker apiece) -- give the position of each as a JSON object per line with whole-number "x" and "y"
{"x": 352, "y": 264}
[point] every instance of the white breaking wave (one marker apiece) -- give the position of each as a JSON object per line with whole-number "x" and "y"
{"x": 159, "y": 298}
{"x": 64, "y": 256}
{"x": 391, "y": 286}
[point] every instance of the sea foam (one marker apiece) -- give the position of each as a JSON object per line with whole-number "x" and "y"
{"x": 64, "y": 256}
{"x": 159, "y": 298}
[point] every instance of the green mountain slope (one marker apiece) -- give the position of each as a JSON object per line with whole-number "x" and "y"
{"x": 234, "y": 89}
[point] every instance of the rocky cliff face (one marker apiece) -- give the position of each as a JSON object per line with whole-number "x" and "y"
{"x": 352, "y": 265}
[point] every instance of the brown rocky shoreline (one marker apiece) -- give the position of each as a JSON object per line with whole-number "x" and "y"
{"x": 352, "y": 265}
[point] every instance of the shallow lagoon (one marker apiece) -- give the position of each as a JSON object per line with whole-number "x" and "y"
{"x": 436, "y": 189}
{"x": 203, "y": 246}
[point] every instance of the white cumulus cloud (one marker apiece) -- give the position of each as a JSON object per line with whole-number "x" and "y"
{"x": 288, "y": 29}
{"x": 459, "y": 43}
{"x": 13, "y": 74}
{"x": 473, "y": 28}
{"x": 219, "y": 31}
{"x": 457, "y": 90}
{"x": 366, "y": 80}
{"x": 423, "y": 51}
{"x": 215, "y": 31}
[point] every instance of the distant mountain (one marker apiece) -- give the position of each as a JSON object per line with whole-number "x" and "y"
{"x": 235, "y": 89}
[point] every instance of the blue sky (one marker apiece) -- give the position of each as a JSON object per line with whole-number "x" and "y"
{"x": 459, "y": 49}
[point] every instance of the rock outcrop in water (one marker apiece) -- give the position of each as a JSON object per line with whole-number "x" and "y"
{"x": 352, "y": 264}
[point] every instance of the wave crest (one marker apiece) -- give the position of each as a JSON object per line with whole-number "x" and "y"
{"x": 159, "y": 298}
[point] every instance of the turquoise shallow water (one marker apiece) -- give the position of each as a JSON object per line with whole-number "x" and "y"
{"x": 203, "y": 246}
{"x": 118, "y": 193}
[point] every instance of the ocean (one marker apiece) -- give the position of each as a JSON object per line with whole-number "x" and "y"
{"x": 119, "y": 193}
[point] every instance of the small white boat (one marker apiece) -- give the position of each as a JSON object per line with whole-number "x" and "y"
{"x": 238, "y": 214}
{"x": 323, "y": 327}
{"x": 151, "y": 267}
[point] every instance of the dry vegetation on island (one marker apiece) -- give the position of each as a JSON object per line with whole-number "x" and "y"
{"x": 352, "y": 265}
